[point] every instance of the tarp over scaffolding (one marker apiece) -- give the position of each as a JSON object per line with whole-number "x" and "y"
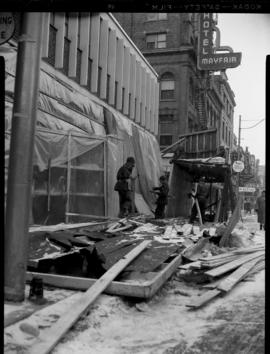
{"x": 79, "y": 146}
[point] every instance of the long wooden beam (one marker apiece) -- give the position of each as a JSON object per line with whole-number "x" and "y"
{"x": 51, "y": 337}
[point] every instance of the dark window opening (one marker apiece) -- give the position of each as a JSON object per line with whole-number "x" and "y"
{"x": 165, "y": 140}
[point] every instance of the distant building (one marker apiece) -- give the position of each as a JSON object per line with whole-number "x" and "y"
{"x": 191, "y": 100}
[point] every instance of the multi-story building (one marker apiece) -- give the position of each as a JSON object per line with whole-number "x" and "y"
{"x": 227, "y": 112}
{"x": 97, "y": 104}
{"x": 191, "y": 100}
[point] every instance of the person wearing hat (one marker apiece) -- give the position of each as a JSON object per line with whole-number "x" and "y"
{"x": 260, "y": 209}
{"x": 162, "y": 199}
{"x": 123, "y": 187}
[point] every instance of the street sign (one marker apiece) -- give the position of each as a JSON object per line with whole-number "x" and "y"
{"x": 247, "y": 189}
{"x": 238, "y": 166}
{"x": 7, "y": 26}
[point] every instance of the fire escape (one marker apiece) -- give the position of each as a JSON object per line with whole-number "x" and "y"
{"x": 200, "y": 104}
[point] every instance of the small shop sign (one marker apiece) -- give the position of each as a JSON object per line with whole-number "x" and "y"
{"x": 247, "y": 189}
{"x": 7, "y": 26}
{"x": 238, "y": 166}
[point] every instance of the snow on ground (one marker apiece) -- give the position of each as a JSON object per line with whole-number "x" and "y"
{"x": 118, "y": 325}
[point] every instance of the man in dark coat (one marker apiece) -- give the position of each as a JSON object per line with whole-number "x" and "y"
{"x": 123, "y": 187}
{"x": 162, "y": 200}
{"x": 260, "y": 209}
{"x": 202, "y": 196}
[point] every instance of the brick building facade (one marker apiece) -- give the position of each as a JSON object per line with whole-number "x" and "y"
{"x": 190, "y": 99}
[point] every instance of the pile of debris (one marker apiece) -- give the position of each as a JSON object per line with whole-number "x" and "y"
{"x": 90, "y": 251}
{"x": 222, "y": 272}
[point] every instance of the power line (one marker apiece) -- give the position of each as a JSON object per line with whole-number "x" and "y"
{"x": 253, "y": 126}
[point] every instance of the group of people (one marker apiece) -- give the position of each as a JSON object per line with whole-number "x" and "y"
{"x": 125, "y": 188}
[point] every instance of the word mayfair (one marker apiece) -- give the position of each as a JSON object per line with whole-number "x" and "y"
{"x": 208, "y": 59}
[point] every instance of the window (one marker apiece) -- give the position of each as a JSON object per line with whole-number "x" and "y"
{"x": 167, "y": 86}
{"x": 79, "y": 29}
{"x": 52, "y": 18}
{"x": 156, "y": 16}
{"x": 165, "y": 117}
{"x": 165, "y": 140}
{"x": 223, "y": 130}
{"x": 66, "y": 24}
{"x": 156, "y": 40}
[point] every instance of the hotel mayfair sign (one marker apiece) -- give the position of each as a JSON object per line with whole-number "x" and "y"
{"x": 208, "y": 56}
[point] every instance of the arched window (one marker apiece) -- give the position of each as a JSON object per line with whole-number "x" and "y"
{"x": 167, "y": 86}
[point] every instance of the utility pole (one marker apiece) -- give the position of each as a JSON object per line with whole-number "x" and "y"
{"x": 239, "y": 138}
{"x": 21, "y": 155}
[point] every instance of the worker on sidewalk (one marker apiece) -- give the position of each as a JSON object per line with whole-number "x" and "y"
{"x": 162, "y": 199}
{"x": 123, "y": 187}
{"x": 260, "y": 209}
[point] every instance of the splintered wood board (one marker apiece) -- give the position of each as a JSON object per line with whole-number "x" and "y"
{"x": 235, "y": 277}
{"x": 144, "y": 289}
{"x": 50, "y": 337}
{"x": 232, "y": 265}
{"x": 199, "y": 301}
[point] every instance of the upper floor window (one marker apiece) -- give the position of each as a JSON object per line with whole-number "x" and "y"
{"x": 66, "y": 24}
{"x": 52, "y": 18}
{"x": 164, "y": 117}
{"x": 156, "y": 16}
{"x": 167, "y": 86}
{"x": 156, "y": 40}
{"x": 165, "y": 140}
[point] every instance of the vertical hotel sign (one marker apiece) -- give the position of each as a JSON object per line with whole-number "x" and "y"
{"x": 208, "y": 58}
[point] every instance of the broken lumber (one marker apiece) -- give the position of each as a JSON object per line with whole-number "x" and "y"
{"x": 190, "y": 265}
{"x": 199, "y": 211}
{"x": 232, "y": 265}
{"x": 51, "y": 337}
{"x": 198, "y": 301}
{"x": 229, "y": 282}
{"x": 232, "y": 223}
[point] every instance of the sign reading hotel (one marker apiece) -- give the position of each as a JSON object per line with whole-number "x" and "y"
{"x": 208, "y": 58}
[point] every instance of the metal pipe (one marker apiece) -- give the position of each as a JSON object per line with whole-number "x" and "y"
{"x": 21, "y": 155}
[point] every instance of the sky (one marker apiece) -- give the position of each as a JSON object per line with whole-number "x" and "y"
{"x": 250, "y": 35}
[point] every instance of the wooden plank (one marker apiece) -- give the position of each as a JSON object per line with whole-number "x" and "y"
{"x": 233, "y": 221}
{"x": 51, "y": 337}
{"x": 232, "y": 265}
{"x": 189, "y": 265}
{"x": 228, "y": 283}
{"x": 199, "y": 301}
{"x": 199, "y": 211}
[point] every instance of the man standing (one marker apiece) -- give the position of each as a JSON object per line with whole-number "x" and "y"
{"x": 260, "y": 209}
{"x": 123, "y": 187}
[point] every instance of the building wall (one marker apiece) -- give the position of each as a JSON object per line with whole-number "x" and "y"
{"x": 93, "y": 50}
{"x": 179, "y": 57}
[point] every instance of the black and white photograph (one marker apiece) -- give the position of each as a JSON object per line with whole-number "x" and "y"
{"x": 134, "y": 180}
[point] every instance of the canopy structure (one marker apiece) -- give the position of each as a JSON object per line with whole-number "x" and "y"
{"x": 185, "y": 173}
{"x": 210, "y": 170}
